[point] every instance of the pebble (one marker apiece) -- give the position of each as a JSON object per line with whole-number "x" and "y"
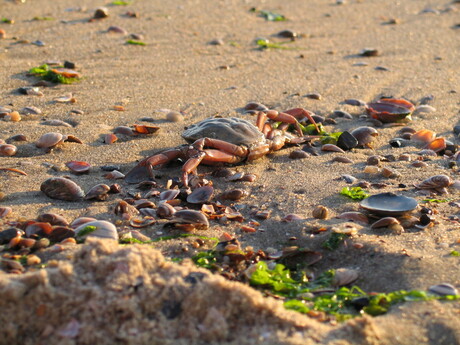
{"x": 342, "y": 114}
{"x": 424, "y": 109}
{"x": 174, "y": 116}
{"x": 368, "y": 52}
{"x": 316, "y": 96}
{"x": 217, "y": 42}
{"x": 347, "y": 141}
{"x": 354, "y": 102}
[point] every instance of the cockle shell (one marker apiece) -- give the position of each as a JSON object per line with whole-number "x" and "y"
{"x": 103, "y": 229}
{"x": 49, "y": 140}
{"x": 7, "y": 150}
{"x": 435, "y": 182}
{"x": 62, "y": 189}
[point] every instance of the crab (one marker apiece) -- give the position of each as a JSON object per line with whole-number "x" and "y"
{"x": 227, "y": 141}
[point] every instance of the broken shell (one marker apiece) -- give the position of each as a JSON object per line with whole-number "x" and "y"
{"x": 201, "y": 195}
{"x": 331, "y": 148}
{"x": 169, "y": 194}
{"x": 388, "y": 204}
{"x": 143, "y": 222}
{"x": 435, "y": 182}
{"x": 102, "y": 229}
{"x": 78, "y": 167}
{"x": 49, "y": 140}
{"x": 390, "y": 110}
{"x": 8, "y": 150}
{"x": 117, "y": 29}
{"x": 299, "y": 154}
{"x": 320, "y": 212}
{"x": 4, "y": 211}
{"x": 292, "y": 217}
{"x": 364, "y": 135}
{"x": 110, "y": 138}
{"x": 98, "y": 192}
{"x": 62, "y": 189}
{"x": 344, "y": 276}
{"x": 437, "y": 145}
{"x": 342, "y": 159}
{"x": 384, "y": 222}
{"x": 354, "y": 216}
{"x": 195, "y": 218}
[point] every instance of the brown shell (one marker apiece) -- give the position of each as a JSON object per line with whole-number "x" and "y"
{"x": 331, "y": 148}
{"x": 7, "y": 150}
{"x": 49, "y": 140}
{"x": 110, "y": 138}
{"x": 196, "y": 218}
{"x": 424, "y": 136}
{"x": 435, "y": 182}
{"x": 437, "y": 145}
{"x": 344, "y": 276}
{"x": 365, "y": 135}
{"x": 62, "y": 189}
{"x": 384, "y": 222}
{"x": 354, "y": 216}
{"x": 53, "y": 219}
{"x": 78, "y": 167}
{"x": 98, "y": 192}
{"x": 201, "y": 195}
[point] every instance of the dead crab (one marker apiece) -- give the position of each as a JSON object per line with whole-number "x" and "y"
{"x": 226, "y": 140}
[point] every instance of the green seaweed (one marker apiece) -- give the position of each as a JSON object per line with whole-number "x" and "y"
{"x": 334, "y": 241}
{"x": 264, "y": 44}
{"x": 42, "y": 18}
{"x": 455, "y": 253}
{"x": 205, "y": 259}
{"x": 272, "y": 16}
{"x": 46, "y": 73}
{"x": 355, "y": 193}
{"x": 121, "y": 3}
{"x": 136, "y": 42}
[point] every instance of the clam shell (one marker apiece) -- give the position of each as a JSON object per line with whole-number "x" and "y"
{"x": 354, "y": 216}
{"x": 98, "y": 192}
{"x": 437, "y": 145}
{"x": 434, "y": 182}
{"x": 4, "y": 211}
{"x": 60, "y": 233}
{"x": 169, "y": 194}
{"x": 81, "y": 220}
{"x": 49, "y": 140}
{"x": 384, "y": 222}
{"x": 195, "y": 218}
{"x": 443, "y": 289}
{"x": 388, "y": 204}
{"x": 53, "y": 219}
{"x": 344, "y": 276}
{"x": 331, "y": 148}
{"x": 78, "y": 166}
{"x": 424, "y": 136}
{"x": 201, "y": 195}
{"x": 165, "y": 210}
{"x": 103, "y": 229}
{"x": 62, "y": 189}
{"x": 7, "y": 150}
{"x": 141, "y": 222}
{"x": 364, "y": 135}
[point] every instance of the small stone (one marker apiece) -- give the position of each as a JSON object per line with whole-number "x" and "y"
{"x": 217, "y": 42}
{"x": 299, "y": 154}
{"x": 174, "y": 116}
{"x": 316, "y": 96}
{"x": 368, "y": 52}
{"x": 287, "y": 34}
{"x": 101, "y": 12}
{"x": 346, "y": 141}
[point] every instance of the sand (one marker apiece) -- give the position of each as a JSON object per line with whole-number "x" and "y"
{"x": 179, "y": 70}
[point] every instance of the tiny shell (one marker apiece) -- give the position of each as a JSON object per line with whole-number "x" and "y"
{"x": 103, "y": 229}
{"x": 354, "y": 102}
{"x": 201, "y": 195}
{"x": 78, "y": 167}
{"x": 195, "y": 218}
{"x": 435, "y": 182}
{"x": 437, "y": 145}
{"x": 137, "y": 222}
{"x": 53, "y": 219}
{"x": 117, "y": 30}
{"x": 67, "y": 98}
{"x": 55, "y": 122}
{"x": 364, "y": 135}
{"x": 114, "y": 175}
{"x": 342, "y": 159}
{"x": 49, "y": 140}
{"x": 424, "y": 109}
{"x": 354, "y": 216}
{"x": 7, "y": 150}
{"x": 424, "y": 136}
{"x": 98, "y": 192}
{"x": 388, "y": 204}
{"x": 4, "y": 211}
{"x": 443, "y": 289}
{"x": 299, "y": 154}
{"x": 371, "y": 169}
{"x": 234, "y": 194}
{"x": 62, "y": 189}
{"x": 332, "y": 148}
{"x": 30, "y": 110}
{"x": 292, "y": 217}
{"x": 110, "y": 138}
{"x": 169, "y": 194}
{"x": 384, "y": 222}
{"x": 320, "y": 212}
{"x": 165, "y": 210}
{"x": 80, "y": 221}
{"x": 124, "y": 130}
{"x": 344, "y": 276}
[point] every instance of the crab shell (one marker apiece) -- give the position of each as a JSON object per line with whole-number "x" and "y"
{"x": 390, "y": 110}
{"x": 233, "y": 130}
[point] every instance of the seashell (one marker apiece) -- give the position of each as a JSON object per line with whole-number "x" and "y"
{"x": 125, "y": 210}
{"x": 124, "y": 130}
{"x": 443, "y": 289}
{"x": 144, "y": 203}
{"x": 62, "y": 189}
{"x": 56, "y": 123}
{"x": 313, "y": 95}
{"x": 342, "y": 159}
{"x": 60, "y": 233}
{"x": 53, "y": 219}
{"x": 195, "y": 218}
{"x": 145, "y": 129}
{"x": 137, "y": 222}
{"x": 427, "y": 153}
{"x": 80, "y": 221}
{"x": 390, "y": 110}
{"x": 169, "y": 194}
{"x": 8, "y": 234}
{"x": 98, "y": 192}
{"x": 234, "y": 194}
{"x": 165, "y": 210}
{"x": 30, "y": 111}
{"x": 409, "y": 130}
{"x": 354, "y": 102}
{"x": 13, "y": 117}
{"x": 424, "y": 136}
{"x": 331, "y": 148}
{"x": 373, "y": 160}
{"x": 73, "y": 139}
{"x": 371, "y": 169}
{"x": 103, "y": 229}
{"x": 110, "y": 138}
{"x": 390, "y": 173}
{"x": 49, "y": 140}
{"x": 5, "y": 211}
{"x": 205, "y": 208}
{"x": 248, "y": 178}
{"x": 236, "y": 177}
{"x": 78, "y": 167}
{"x": 435, "y": 182}
{"x": 201, "y": 195}
{"x": 354, "y": 216}
{"x": 38, "y": 228}
{"x": 384, "y": 222}
{"x": 17, "y": 137}
{"x": 405, "y": 157}
{"x": 424, "y": 109}
{"x": 67, "y": 98}
{"x": 114, "y": 175}
{"x": 364, "y": 135}
{"x": 8, "y": 150}
{"x": 5, "y": 110}
{"x": 292, "y": 217}
{"x": 174, "y": 116}
{"x": 348, "y": 178}
{"x": 340, "y": 113}
{"x": 344, "y": 276}
{"x": 66, "y": 72}
{"x": 388, "y": 204}
{"x": 299, "y": 154}
{"x": 263, "y": 214}
{"x": 320, "y": 212}
{"x": 117, "y": 29}
{"x": 287, "y": 34}
{"x": 148, "y": 212}
{"x": 437, "y": 145}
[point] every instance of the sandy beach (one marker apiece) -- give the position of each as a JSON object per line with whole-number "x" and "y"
{"x": 200, "y": 59}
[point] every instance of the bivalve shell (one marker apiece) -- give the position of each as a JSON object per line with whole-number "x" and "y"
{"x": 344, "y": 276}
{"x": 102, "y": 229}
{"x": 49, "y": 140}
{"x": 384, "y": 222}
{"x": 443, "y": 289}
{"x": 7, "y": 150}
{"x": 435, "y": 182}
{"x": 62, "y": 189}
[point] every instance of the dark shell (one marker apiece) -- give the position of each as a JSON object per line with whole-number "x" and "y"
{"x": 98, "y": 192}
{"x": 62, "y": 189}
{"x": 53, "y": 219}
{"x": 201, "y": 195}
{"x": 60, "y": 233}
{"x": 233, "y": 130}
{"x": 388, "y": 204}
{"x": 390, "y": 110}
{"x": 195, "y": 218}
{"x": 364, "y": 135}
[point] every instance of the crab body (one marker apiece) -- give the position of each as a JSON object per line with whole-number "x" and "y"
{"x": 223, "y": 140}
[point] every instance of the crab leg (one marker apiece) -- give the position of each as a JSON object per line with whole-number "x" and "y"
{"x": 300, "y": 113}
{"x": 144, "y": 169}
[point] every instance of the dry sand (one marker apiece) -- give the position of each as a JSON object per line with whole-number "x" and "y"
{"x": 90, "y": 297}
